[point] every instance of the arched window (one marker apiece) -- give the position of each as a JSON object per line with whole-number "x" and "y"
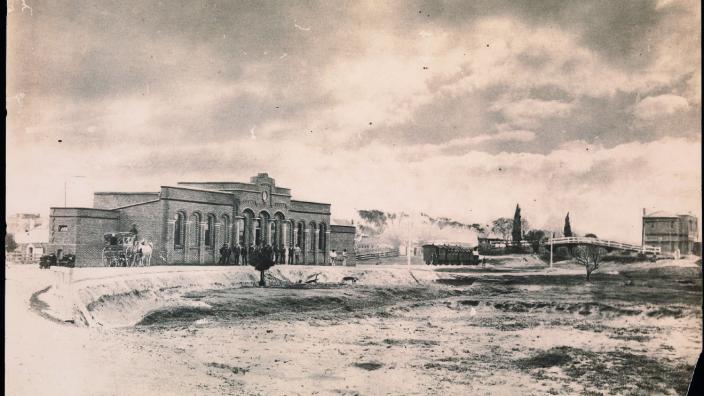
{"x": 313, "y": 238}
{"x": 273, "y": 232}
{"x": 321, "y": 237}
{"x": 257, "y": 232}
{"x": 301, "y": 230}
{"x": 291, "y": 226}
{"x": 241, "y": 227}
{"x": 210, "y": 231}
{"x": 226, "y": 229}
{"x": 195, "y": 219}
{"x": 246, "y": 230}
{"x": 180, "y": 229}
{"x": 263, "y": 229}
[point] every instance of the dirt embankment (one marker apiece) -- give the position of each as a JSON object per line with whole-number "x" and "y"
{"x": 116, "y": 297}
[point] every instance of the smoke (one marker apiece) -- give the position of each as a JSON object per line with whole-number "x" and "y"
{"x": 395, "y": 229}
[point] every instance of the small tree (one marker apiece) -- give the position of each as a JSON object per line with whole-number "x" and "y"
{"x": 535, "y": 237}
{"x": 589, "y": 256}
{"x": 568, "y": 227}
{"x": 502, "y": 226}
{"x": 10, "y": 244}
{"x": 262, "y": 260}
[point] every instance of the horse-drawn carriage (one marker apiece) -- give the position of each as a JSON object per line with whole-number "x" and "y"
{"x": 121, "y": 249}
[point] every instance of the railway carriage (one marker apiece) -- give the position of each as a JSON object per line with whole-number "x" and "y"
{"x": 449, "y": 255}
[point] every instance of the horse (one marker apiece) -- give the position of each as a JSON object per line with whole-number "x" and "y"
{"x": 144, "y": 253}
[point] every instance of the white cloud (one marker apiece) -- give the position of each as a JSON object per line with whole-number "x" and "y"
{"x": 528, "y": 113}
{"x": 504, "y": 136}
{"x": 653, "y": 107}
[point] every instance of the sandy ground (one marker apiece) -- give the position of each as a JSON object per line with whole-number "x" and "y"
{"x": 510, "y": 328}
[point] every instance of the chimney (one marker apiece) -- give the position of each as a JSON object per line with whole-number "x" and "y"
{"x": 643, "y": 212}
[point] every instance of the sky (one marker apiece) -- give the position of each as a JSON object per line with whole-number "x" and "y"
{"x": 452, "y": 108}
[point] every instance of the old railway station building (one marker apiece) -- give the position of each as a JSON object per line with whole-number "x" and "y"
{"x": 188, "y": 223}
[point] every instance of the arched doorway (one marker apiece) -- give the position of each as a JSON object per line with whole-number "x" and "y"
{"x": 280, "y": 240}
{"x": 323, "y": 243}
{"x": 301, "y": 242}
{"x": 262, "y": 232}
{"x": 194, "y": 237}
{"x": 246, "y": 229}
{"x": 226, "y": 229}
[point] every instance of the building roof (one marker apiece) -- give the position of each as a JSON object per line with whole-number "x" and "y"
{"x": 198, "y": 189}
{"x": 666, "y": 214}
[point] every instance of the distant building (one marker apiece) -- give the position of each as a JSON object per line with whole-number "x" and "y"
{"x": 23, "y": 222}
{"x": 31, "y": 234}
{"x": 672, "y": 233}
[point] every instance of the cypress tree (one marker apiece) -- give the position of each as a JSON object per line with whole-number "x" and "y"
{"x": 516, "y": 231}
{"x": 568, "y": 228}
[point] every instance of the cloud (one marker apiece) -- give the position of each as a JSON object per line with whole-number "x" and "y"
{"x": 528, "y": 113}
{"x": 654, "y": 107}
{"x": 461, "y": 110}
{"x": 522, "y": 136}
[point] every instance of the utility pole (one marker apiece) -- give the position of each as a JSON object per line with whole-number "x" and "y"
{"x": 408, "y": 244}
{"x": 553, "y": 237}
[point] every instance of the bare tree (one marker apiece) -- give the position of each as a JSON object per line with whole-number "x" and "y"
{"x": 502, "y": 226}
{"x": 589, "y": 256}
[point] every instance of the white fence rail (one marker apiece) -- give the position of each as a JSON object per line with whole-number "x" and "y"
{"x": 604, "y": 243}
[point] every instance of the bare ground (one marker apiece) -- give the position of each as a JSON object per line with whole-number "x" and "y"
{"x": 635, "y": 329}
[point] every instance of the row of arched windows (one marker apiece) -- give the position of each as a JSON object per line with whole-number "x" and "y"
{"x": 195, "y": 221}
{"x": 249, "y": 230}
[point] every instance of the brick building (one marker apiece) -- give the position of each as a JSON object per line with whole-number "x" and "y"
{"x": 673, "y": 233}
{"x": 188, "y": 223}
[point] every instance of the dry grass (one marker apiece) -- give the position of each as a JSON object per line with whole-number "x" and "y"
{"x": 617, "y": 371}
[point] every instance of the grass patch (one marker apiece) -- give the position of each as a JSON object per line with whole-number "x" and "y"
{"x": 227, "y": 367}
{"x": 389, "y": 341}
{"x": 551, "y": 358}
{"x": 617, "y": 371}
{"x": 227, "y": 305}
{"x": 369, "y": 366}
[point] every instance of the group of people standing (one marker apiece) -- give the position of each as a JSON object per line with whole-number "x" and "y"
{"x": 338, "y": 259}
{"x": 237, "y": 255}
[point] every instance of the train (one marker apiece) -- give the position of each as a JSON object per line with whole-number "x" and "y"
{"x": 450, "y": 255}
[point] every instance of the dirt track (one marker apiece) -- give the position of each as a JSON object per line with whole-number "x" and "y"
{"x": 636, "y": 331}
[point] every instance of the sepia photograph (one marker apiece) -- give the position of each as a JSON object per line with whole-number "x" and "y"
{"x": 391, "y": 197}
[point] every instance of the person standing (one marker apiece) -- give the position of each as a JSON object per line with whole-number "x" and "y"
{"x": 228, "y": 255}
{"x": 333, "y": 257}
{"x": 297, "y": 254}
{"x": 344, "y": 257}
{"x": 236, "y": 253}
{"x": 224, "y": 250}
{"x": 244, "y": 255}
